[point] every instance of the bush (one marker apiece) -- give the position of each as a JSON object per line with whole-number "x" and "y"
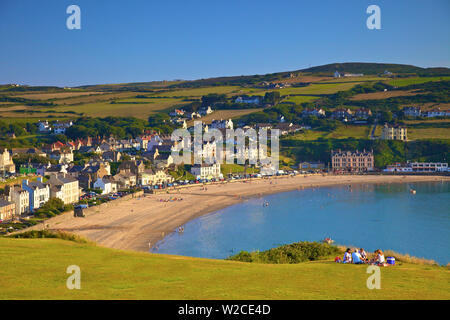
{"x": 34, "y": 234}
{"x": 290, "y": 253}
{"x": 51, "y": 208}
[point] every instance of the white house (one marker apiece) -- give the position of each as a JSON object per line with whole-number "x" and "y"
{"x": 61, "y": 127}
{"x": 106, "y": 184}
{"x": 222, "y": 124}
{"x": 205, "y": 111}
{"x": 247, "y": 99}
{"x": 21, "y": 198}
{"x": 412, "y": 111}
{"x": 43, "y": 126}
{"x": 38, "y": 191}
{"x": 206, "y": 171}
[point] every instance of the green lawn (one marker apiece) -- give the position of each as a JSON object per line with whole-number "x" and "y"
{"x": 234, "y": 168}
{"x": 36, "y": 269}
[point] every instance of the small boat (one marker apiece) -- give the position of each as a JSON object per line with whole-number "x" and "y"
{"x": 412, "y": 191}
{"x": 328, "y": 240}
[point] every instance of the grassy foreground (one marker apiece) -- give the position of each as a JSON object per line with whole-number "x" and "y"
{"x": 36, "y": 269}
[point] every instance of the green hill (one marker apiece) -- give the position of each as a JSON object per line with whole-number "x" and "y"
{"x": 376, "y": 68}
{"x": 36, "y": 269}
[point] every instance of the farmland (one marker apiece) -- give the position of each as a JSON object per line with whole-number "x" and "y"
{"x": 402, "y": 82}
{"x": 383, "y": 95}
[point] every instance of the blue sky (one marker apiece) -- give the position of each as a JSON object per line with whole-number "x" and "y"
{"x": 133, "y": 41}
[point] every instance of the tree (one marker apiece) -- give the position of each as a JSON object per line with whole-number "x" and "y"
{"x": 158, "y": 119}
{"x": 272, "y": 97}
{"x": 212, "y": 98}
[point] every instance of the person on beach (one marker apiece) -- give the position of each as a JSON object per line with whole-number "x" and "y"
{"x": 347, "y": 256}
{"x": 356, "y": 257}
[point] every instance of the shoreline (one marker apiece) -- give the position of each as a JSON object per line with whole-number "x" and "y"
{"x": 138, "y": 224}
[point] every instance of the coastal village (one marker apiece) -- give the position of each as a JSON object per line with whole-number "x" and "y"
{"x": 114, "y": 167}
{"x": 223, "y": 159}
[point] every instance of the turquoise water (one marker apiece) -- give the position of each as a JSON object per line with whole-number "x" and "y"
{"x": 385, "y": 216}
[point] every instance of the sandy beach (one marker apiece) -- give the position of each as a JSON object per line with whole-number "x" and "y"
{"x": 139, "y": 223}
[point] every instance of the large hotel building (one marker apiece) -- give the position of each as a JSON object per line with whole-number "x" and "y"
{"x": 353, "y": 161}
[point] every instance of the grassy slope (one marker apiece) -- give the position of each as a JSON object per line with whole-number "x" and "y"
{"x": 35, "y": 269}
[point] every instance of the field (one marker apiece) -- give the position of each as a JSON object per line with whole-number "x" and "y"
{"x": 57, "y": 95}
{"x": 36, "y": 269}
{"x": 300, "y": 99}
{"x": 341, "y": 132}
{"x": 198, "y": 92}
{"x": 402, "y": 82}
{"x": 383, "y": 95}
{"x": 319, "y": 88}
{"x": 431, "y": 129}
{"x": 140, "y": 110}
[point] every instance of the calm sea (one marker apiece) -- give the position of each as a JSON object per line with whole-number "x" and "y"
{"x": 385, "y": 216}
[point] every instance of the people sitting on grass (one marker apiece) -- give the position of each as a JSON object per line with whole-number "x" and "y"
{"x": 380, "y": 258}
{"x": 356, "y": 257}
{"x": 347, "y": 256}
{"x": 363, "y": 254}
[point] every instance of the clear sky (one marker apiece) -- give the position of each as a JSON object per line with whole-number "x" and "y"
{"x": 133, "y": 41}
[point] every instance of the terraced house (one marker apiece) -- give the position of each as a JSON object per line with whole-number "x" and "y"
{"x": 38, "y": 191}
{"x": 6, "y": 162}
{"x": 64, "y": 187}
{"x": 21, "y": 199}
{"x": 394, "y": 133}
{"x": 7, "y": 209}
{"x": 352, "y": 161}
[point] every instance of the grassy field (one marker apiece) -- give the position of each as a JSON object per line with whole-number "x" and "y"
{"x": 383, "y": 95}
{"x": 122, "y": 108}
{"x": 319, "y": 88}
{"x": 341, "y": 132}
{"x": 402, "y": 82}
{"x": 198, "y": 92}
{"x": 428, "y": 133}
{"x": 300, "y": 99}
{"x": 57, "y": 95}
{"x": 234, "y": 168}
{"x": 36, "y": 269}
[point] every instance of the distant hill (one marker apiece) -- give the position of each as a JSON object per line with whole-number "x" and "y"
{"x": 376, "y": 68}
{"x": 249, "y": 80}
